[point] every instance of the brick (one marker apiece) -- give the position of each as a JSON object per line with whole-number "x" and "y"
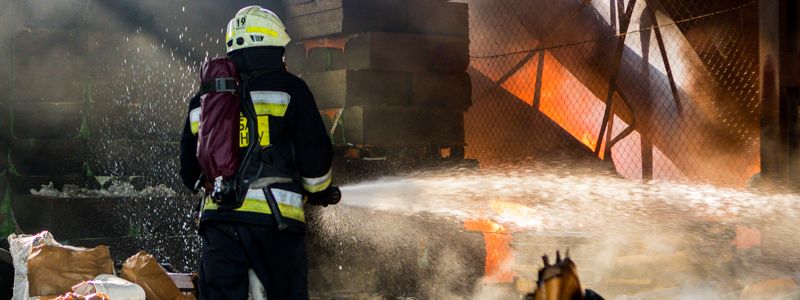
{"x": 402, "y": 126}
{"x": 407, "y": 52}
{"x": 337, "y": 89}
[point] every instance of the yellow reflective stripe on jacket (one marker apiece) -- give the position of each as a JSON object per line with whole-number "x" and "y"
{"x": 266, "y": 103}
{"x": 263, "y": 129}
{"x": 194, "y": 120}
{"x": 317, "y": 184}
{"x": 290, "y": 204}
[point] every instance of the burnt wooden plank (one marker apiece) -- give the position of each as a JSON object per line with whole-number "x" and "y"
{"x": 407, "y": 52}
{"x": 402, "y": 126}
{"x": 337, "y": 89}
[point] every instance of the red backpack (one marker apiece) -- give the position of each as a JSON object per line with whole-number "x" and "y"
{"x": 217, "y": 138}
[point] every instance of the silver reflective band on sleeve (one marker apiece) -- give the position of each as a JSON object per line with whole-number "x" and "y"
{"x": 317, "y": 184}
{"x": 271, "y": 103}
{"x": 271, "y": 97}
{"x": 281, "y": 196}
{"x": 194, "y": 120}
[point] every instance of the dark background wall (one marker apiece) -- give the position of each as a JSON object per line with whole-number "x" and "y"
{"x": 99, "y": 88}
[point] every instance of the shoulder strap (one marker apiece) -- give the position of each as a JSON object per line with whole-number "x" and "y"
{"x": 218, "y": 85}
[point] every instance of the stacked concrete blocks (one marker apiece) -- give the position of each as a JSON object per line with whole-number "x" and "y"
{"x": 386, "y": 73}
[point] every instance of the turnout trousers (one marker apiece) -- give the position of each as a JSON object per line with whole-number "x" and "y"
{"x": 231, "y": 249}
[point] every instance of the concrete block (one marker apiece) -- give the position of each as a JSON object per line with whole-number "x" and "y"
{"x": 438, "y": 17}
{"x": 313, "y": 19}
{"x": 337, "y": 89}
{"x": 325, "y": 59}
{"x": 442, "y": 90}
{"x": 407, "y": 52}
{"x": 296, "y": 59}
{"x": 402, "y": 126}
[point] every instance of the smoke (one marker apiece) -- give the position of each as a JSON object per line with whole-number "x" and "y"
{"x": 628, "y": 239}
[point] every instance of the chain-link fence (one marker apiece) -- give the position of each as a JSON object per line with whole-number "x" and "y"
{"x": 663, "y": 89}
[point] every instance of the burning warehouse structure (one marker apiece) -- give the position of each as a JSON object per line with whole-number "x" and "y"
{"x": 470, "y": 138}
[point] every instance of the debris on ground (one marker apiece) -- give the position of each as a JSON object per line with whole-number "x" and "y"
{"x": 116, "y": 189}
{"x": 105, "y": 286}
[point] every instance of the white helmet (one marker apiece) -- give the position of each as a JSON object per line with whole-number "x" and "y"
{"x": 254, "y": 26}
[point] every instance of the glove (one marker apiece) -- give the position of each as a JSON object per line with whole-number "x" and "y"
{"x": 329, "y": 196}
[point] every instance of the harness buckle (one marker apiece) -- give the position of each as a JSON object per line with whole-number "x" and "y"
{"x": 226, "y": 84}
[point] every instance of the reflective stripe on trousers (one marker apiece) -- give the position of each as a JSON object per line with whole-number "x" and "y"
{"x": 290, "y": 203}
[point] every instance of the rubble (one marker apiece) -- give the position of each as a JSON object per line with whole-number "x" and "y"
{"x": 116, "y": 189}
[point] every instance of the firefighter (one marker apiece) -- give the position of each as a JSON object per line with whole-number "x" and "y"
{"x": 294, "y": 155}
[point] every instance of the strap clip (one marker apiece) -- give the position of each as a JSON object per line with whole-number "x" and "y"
{"x": 223, "y": 85}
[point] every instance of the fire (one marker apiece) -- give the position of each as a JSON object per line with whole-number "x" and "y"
{"x": 498, "y": 249}
{"x": 587, "y": 140}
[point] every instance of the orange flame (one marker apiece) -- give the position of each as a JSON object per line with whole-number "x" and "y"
{"x": 498, "y": 249}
